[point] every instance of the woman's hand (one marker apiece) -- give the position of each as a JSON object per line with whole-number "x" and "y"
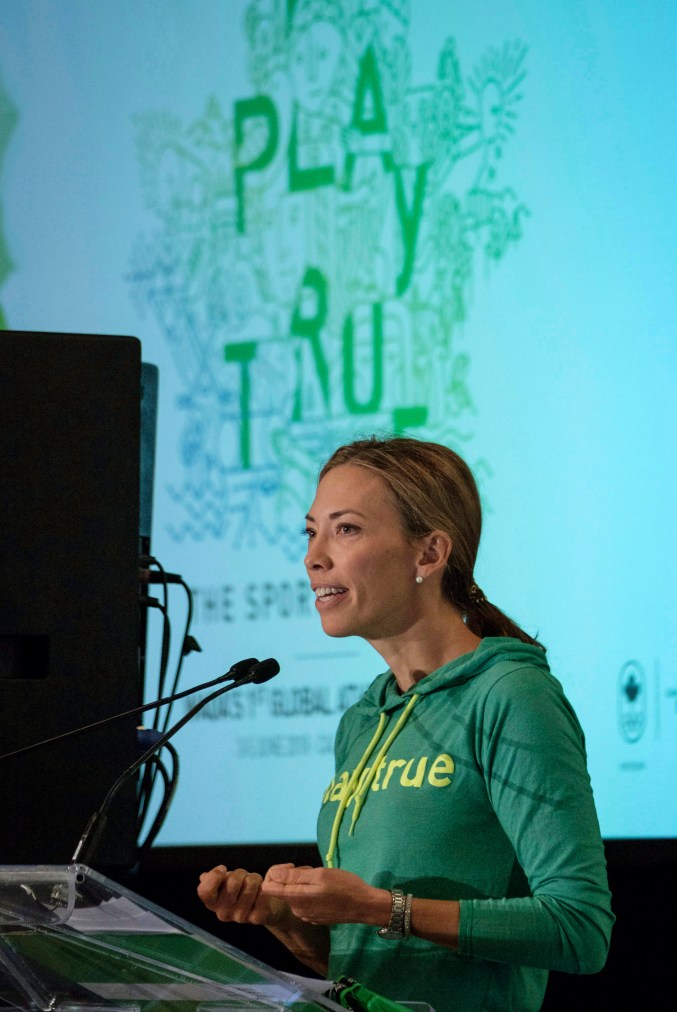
{"x": 237, "y": 896}
{"x": 326, "y": 895}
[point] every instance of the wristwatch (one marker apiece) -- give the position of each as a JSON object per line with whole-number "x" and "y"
{"x": 399, "y": 925}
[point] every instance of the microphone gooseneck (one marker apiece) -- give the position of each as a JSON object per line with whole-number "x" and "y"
{"x": 257, "y": 672}
{"x": 237, "y": 671}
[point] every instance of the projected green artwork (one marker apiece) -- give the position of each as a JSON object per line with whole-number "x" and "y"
{"x": 325, "y": 220}
{"x": 315, "y": 248}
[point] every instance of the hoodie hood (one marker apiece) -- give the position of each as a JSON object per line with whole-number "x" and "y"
{"x": 383, "y": 695}
{"x": 391, "y": 710}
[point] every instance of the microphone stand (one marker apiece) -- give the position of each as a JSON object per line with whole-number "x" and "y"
{"x": 259, "y": 672}
{"x": 236, "y": 672}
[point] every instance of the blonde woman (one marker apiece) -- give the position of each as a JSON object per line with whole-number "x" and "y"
{"x": 462, "y": 853}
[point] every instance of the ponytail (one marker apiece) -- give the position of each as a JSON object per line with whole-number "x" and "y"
{"x": 485, "y": 619}
{"x": 481, "y": 616}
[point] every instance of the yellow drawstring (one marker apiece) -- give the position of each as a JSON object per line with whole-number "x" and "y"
{"x": 358, "y": 790}
{"x": 348, "y": 792}
{"x": 366, "y": 784}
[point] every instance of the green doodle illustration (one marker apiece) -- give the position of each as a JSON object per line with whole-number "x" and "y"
{"x": 313, "y": 255}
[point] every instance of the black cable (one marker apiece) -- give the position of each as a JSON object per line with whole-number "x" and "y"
{"x": 170, "y": 791}
{"x": 149, "y": 561}
{"x": 144, "y": 802}
{"x": 166, "y": 638}
{"x": 177, "y": 673}
{"x": 143, "y": 797}
{"x": 152, "y": 602}
{"x": 147, "y": 775}
{"x": 150, "y": 774}
{"x": 160, "y": 768}
{"x": 151, "y": 770}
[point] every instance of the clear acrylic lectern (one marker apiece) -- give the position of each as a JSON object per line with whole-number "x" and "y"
{"x": 73, "y": 940}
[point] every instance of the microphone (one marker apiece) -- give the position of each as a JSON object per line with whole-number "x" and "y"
{"x": 237, "y": 671}
{"x": 259, "y": 671}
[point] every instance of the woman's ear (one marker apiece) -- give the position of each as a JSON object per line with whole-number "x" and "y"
{"x": 435, "y": 551}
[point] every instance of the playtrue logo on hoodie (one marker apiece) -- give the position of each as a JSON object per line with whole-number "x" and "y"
{"x": 419, "y": 771}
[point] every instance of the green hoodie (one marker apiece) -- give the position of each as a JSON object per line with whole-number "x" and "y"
{"x": 470, "y": 786}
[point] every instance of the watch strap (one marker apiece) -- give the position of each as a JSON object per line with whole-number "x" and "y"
{"x": 399, "y": 925}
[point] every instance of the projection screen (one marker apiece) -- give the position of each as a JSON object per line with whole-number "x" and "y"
{"x": 322, "y": 220}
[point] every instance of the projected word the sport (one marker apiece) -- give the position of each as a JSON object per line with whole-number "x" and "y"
{"x": 314, "y": 254}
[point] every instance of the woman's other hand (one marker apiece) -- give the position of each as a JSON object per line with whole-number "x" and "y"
{"x": 326, "y": 895}
{"x": 237, "y": 896}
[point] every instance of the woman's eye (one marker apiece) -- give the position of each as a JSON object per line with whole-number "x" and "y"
{"x": 306, "y": 532}
{"x": 347, "y": 528}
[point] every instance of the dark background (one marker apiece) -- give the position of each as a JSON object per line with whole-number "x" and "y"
{"x": 641, "y": 971}
{"x": 69, "y": 587}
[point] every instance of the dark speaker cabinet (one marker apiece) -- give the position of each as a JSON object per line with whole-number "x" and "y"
{"x": 69, "y": 624}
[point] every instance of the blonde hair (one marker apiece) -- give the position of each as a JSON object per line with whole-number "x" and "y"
{"x": 434, "y": 489}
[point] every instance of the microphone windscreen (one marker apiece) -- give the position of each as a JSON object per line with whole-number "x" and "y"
{"x": 265, "y": 670}
{"x": 242, "y": 668}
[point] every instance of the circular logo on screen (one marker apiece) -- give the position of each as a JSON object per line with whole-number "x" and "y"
{"x": 632, "y": 701}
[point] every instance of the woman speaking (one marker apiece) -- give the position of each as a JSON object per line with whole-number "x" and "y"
{"x": 461, "y": 848}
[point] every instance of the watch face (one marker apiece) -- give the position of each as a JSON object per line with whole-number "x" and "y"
{"x": 389, "y": 934}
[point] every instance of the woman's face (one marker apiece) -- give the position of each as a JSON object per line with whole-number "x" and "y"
{"x": 361, "y": 567}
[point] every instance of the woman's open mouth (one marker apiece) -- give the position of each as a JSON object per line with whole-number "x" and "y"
{"x": 328, "y": 595}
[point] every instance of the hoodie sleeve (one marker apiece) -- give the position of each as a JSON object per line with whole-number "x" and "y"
{"x": 531, "y": 750}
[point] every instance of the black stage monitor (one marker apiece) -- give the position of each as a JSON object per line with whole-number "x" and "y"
{"x": 69, "y": 530}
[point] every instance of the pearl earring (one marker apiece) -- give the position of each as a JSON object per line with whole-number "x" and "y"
{"x": 419, "y": 579}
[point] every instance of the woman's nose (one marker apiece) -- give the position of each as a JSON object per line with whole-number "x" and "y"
{"x": 316, "y": 556}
